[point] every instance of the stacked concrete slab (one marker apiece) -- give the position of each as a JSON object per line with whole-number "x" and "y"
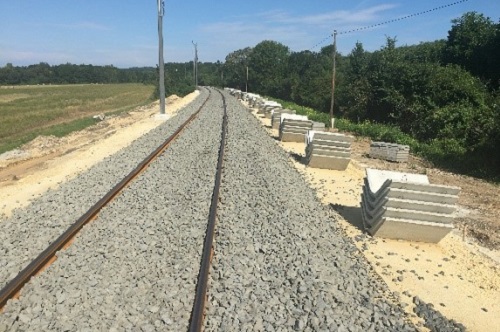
{"x": 251, "y": 98}
{"x": 293, "y": 128}
{"x": 276, "y": 116}
{"x": 319, "y": 126}
{"x": 328, "y": 150}
{"x": 389, "y": 151}
{"x": 406, "y": 206}
{"x": 268, "y": 114}
{"x": 259, "y": 103}
{"x": 267, "y": 106}
{"x": 237, "y": 93}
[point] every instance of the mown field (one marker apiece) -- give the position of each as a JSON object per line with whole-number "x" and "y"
{"x": 29, "y": 111}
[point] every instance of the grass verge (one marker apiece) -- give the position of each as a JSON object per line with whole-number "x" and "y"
{"x": 29, "y": 111}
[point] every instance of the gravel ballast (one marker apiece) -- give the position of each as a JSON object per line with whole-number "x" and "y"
{"x": 281, "y": 262}
{"x": 134, "y": 268}
{"x": 30, "y": 230}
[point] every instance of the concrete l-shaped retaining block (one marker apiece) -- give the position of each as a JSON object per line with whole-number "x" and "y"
{"x": 276, "y": 117}
{"x": 411, "y": 230}
{"x": 406, "y": 206}
{"x": 327, "y": 150}
{"x": 293, "y": 128}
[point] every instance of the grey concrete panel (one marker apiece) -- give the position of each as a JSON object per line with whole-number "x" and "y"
{"x": 408, "y": 204}
{"x": 328, "y": 153}
{"x": 292, "y": 137}
{"x": 326, "y": 162}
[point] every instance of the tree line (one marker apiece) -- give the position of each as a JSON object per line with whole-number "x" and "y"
{"x": 179, "y": 77}
{"x": 444, "y": 93}
{"x": 43, "y": 73}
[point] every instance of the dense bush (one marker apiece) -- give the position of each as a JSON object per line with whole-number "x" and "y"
{"x": 441, "y": 97}
{"x": 446, "y": 153}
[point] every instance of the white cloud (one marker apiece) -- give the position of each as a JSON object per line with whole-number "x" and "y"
{"x": 235, "y": 35}
{"x": 295, "y": 31}
{"x": 336, "y": 18}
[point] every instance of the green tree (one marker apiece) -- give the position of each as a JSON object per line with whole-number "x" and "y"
{"x": 234, "y": 69}
{"x": 268, "y": 63}
{"x": 309, "y": 80}
{"x": 356, "y": 94}
{"x": 474, "y": 44}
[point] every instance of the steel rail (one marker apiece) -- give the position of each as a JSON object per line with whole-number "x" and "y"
{"x": 198, "y": 313}
{"x": 15, "y": 285}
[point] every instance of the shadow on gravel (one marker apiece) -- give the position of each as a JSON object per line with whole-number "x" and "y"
{"x": 351, "y": 214}
{"x": 297, "y": 157}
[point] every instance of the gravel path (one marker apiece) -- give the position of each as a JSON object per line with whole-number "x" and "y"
{"x": 281, "y": 263}
{"x": 135, "y": 268}
{"x": 29, "y": 231}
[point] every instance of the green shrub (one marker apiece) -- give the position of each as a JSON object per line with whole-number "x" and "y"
{"x": 446, "y": 153}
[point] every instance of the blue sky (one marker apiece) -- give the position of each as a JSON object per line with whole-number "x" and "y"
{"x": 124, "y": 33}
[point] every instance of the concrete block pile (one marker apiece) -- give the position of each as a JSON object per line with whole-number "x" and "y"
{"x": 293, "y": 128}
{"x": 268, "y": 114}
{"x": 319, "y": 126}
{"x": 276, "y": 116}
{"x": 267, "y": 106}
{"x": 235, "y": 92}
{"x": 259, "y": 103}
{"x": 406, "y": 206}
{"x": 328, "y": 150}
{"x": 389, "y": 151}
{"x": 251, "y": 99}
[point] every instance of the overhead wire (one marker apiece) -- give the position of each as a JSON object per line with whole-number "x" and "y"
{"x": 390, "y": 21}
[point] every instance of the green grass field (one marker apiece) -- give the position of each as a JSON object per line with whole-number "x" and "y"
{"x": 29, "y": 111}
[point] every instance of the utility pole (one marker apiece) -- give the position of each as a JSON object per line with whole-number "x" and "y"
{"x": 334, "y": 53}
{"x": 161, "y": 63}
{"x": 195, "y": 64}
{"x": 246, "y": 83}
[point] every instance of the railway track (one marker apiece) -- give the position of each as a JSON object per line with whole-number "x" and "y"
{"x": 48, "y": 256}
{"x": 280, "y": 262}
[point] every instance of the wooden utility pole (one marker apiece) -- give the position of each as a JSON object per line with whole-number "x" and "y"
{"x": 334, "y": 55}
{"x": 195, "y": 64}
{"x": 246, "y": 83}
{"x": 161, "y": 63}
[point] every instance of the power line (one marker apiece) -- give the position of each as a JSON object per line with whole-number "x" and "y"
{"x": 391, "y": 21}
{"x": 321, "y": 42}
{"x": 401, "y": 18}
